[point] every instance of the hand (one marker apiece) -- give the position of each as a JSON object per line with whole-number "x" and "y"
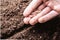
{"x": 48, "y": 12}
{"x": 55, "y": 4}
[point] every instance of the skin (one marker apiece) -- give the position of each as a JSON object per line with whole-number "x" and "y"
{"x": 47, "y": 11}
{"x": 55, "y": 4}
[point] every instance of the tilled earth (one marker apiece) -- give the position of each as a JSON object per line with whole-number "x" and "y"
{"x": 13, "y": 27}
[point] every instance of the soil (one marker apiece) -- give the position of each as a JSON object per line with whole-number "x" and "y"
{"x": 13, "y": 27}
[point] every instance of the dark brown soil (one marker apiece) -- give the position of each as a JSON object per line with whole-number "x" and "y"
{"x": 13, "y": 27}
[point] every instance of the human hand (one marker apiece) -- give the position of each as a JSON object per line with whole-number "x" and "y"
{"x": 46, "y": 14}
{"x": 55, "y": 4}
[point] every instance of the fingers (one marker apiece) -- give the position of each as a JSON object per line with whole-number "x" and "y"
{"x": 41, "y": 7}
{"x": 34, "y": 20}
{"x": 50, "y": 4}
{"x": 26, "y": 20}
{"x": 31, "y": 7}
{"x": 57, "y": 8}
{"x": 47, "y": 17}
{"x": 45, "y": 1}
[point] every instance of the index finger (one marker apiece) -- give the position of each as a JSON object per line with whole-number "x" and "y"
{"x": 31, "y": 7}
